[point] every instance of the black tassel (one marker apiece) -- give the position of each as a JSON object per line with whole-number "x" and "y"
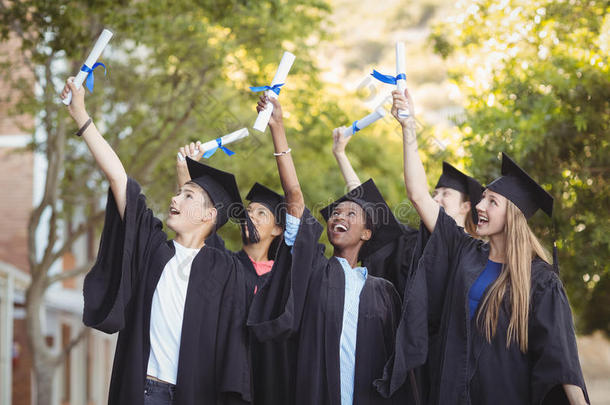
{"x": 253, "y": 236}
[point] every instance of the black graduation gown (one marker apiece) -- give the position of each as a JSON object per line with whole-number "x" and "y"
{"x": 463, "y": 367}
{"x": 213, "y": 365}
{"x": 312, "y": 311}
{"x": 393, "y": 260}
{"x": 403, "y": 369}
{"x": 272, "y": 361}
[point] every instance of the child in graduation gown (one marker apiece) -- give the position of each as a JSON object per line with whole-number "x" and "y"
{"x": 266, "y": 213}
{"x": 397, "y": 261}
{"x": 505, "y": 333}
{"x": 272, "y": 370}
{"x": 179, "y": 306}
{"x": 343, "y": 319}
{"x": 455, "y": 191}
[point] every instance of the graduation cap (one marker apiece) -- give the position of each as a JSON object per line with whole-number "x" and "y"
{"x": 222, "y": 189}
{"x": 270, "y": 199}
{"x": 521, "y": 189}
{"x": 385, "y": 225}
{"x": 456, "y": 180}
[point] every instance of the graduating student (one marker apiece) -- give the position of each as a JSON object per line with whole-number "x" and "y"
{"x": 505, "y": 333}
{"x": 179, "y": 305}
{"x": 393, "y": 260}
{"x": 272, "y": 362}
{"x": 454, "y": 191}
{"x": 343, "y": 318}
{"x": 458, "y": 194}
{"x": 265, "y": 212}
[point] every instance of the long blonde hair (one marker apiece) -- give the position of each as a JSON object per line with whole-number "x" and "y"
{"x": 521, "y": 247}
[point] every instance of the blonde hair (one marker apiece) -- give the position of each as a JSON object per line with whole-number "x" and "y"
{"x": 521, "y": 247}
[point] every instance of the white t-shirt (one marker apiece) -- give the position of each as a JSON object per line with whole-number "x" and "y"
{"x": 166, "y": 315}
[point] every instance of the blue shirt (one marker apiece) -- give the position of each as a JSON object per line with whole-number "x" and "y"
{"x": 354, "y": 281}
{"x": 292, "y": 228}
{"x": 489, "y": 275}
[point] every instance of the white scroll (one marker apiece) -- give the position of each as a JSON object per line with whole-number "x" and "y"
{"x": 224, "y": 140}
{"x": 94, "y": 55}
{"x": 401, "y": 84}
{"x": 378, "y": 114}
{"x": 280, "y": 77}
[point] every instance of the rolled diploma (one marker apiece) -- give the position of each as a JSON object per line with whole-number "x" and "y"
{"x": 94, "y": 55}
{"x": 225, "y": 140}
{"x": 366, "y": 121}
{"x": 401, "y": 84}
{"x": 280, "y": 77}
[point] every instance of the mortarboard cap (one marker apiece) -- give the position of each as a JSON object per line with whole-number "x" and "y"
{"x": 222, "y": 189}
{"x": 523, "y": 191}
{"x": 456, "y": 180}
{"x": 385, "y": 226}
{"x": 270, "y": 199}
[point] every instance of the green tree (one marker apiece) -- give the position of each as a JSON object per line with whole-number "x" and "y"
{"x": 536, "y": 84}
{"x": 178, "y": 71}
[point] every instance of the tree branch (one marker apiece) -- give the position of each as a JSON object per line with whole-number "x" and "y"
{"x": 64, "y": 275}
{"x": 92, "y": 221}
{"x": 61, "y": 357}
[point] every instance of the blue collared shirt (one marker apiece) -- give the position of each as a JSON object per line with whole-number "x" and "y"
{"x": 292, "y": 228}
{"x": 354, "y": 281}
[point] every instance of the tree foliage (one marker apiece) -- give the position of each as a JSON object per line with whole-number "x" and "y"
{"x": 536, "y": 84}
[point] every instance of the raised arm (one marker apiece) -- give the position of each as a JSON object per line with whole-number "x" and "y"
{"x": 102, "y": 152}
{"x": 416, "y": 182}
{"x": 339, "y": 143}
{"x": 192, "y": 150}
{"x": 288, "y": 174}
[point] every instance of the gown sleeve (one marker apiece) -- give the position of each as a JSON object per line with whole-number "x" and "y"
{"x": 233, "y": 367}
{"x": 278, "y": 306}
{"x": 124, "y": 246}
{"x": 552, "y": 344}
{"x": 411, "y": 343}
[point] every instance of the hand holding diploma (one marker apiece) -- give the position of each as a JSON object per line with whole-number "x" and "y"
{"x": 402, "y": 101}
{"x": 207, "y": 149}
{"x": 273, "y": 91}
{"x": 86, "y": 72}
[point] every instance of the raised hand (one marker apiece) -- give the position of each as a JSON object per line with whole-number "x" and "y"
{"x": 340, "y": 141}
{"x": 277, "y": 115}
{"x": 76, "y": 109}
{"x": 402, "y": 101}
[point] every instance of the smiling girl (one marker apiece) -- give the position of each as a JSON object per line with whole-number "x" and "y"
{"x": 502, "y": 332}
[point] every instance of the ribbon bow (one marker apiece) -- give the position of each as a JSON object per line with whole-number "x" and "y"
{"x": 275, "y": 88}
{"x": 389, "y": 79}
{"x": 224, "y": 149}
{"x": 355, "y": 127}
{"x": 90, "y": 77}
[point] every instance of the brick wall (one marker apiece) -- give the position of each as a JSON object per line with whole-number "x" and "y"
{"x": 16, "y": 170}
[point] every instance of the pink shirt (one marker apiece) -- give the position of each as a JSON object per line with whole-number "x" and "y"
{"x": 261, "y": 268}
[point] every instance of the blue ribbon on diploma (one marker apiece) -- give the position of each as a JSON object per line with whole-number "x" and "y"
{"x": 90, "y": 77}
{"x": 275, "y": 88}
{"x": 355, "y": 127}
{"x": 223, "y": 148}
{"x": 389, "y": 79}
